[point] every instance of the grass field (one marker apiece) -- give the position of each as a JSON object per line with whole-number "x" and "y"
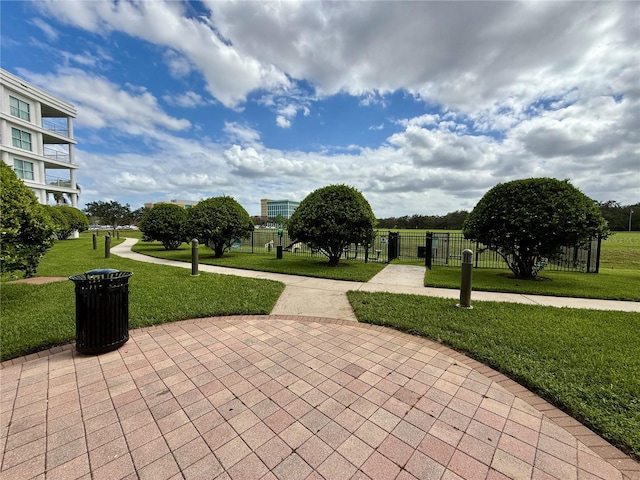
{"x": 290, "y": 264}
{"x": 619, "y": 277}
{"x": 35, "y": 317}
{"x": 621, "y": 251}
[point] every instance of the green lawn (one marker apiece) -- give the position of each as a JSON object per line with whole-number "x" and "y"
{"x": 608, "y": 284}
{"x": 621, "y": 251}
{"x": 584, "y": 361}
{"x": 290, "y": 264}
{"x": 35, "y": 317}
{"x": 619, "y": 277}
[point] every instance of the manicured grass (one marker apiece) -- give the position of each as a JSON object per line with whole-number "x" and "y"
{"x": 584, "y": 361}
{"x": 35, "y": 317}
{"x": 608, "y": 284}
{"x": 621, "y": 251}
{"x": 290, "y": 264}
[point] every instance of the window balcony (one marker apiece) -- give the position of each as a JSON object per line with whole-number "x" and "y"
{"x": 59, "y": 126}
{"x": 58, "y": 154}
{"x": 58, "y": 182}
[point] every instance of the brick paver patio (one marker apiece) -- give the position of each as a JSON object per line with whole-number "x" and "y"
{"x": 284, "y": 397}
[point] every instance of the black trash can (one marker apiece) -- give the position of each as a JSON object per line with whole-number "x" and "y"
{"x": 102, "y": 310}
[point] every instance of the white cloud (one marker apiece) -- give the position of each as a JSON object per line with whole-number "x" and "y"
{"x": 179, "y": 66}
{"x": 230, "y": 76}
{"x": 101, "y": 103}
{"x": 282, "y": 121}
{"x": 472, "y": 56}
{"x": 49, "y": 32}
{"x": 421, "y": 121}
{"x": 241, "y": 133}
{"x": 187, "y": 99}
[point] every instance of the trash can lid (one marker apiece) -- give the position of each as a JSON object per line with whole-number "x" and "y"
{"x": 101, "y": 271}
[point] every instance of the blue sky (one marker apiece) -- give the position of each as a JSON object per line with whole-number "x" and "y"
{"x": 422, "y": 106}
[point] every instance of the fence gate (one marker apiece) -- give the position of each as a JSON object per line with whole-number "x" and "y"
{"x": 394, "y": 246}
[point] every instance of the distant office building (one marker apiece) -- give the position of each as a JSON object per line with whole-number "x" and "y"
{"x": 36, "y": 139}
{"x": 182, "y": 203}
{"x": 285, "y": 208}
{"x": 264, "y": 208}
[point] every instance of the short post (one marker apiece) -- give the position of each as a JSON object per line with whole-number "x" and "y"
{"x": 465, "y": 282}
{"x": 107, "y": 246}
{"x": 95, "y": 242}
{"x": 279, "y": 252}
{"x": 118, "y": 234}
{"x": 194, "y": 257}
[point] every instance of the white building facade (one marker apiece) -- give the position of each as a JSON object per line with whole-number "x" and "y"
{"x": 285, "y": 208}
{"x": 36, "y": 139}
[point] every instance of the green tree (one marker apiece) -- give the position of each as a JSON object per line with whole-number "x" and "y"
{"x": 217, "y": 222}
{"x": 138, "y": 214}
{"x": 26, "y": 229}
{"x": 528, "y": 222}
{"x": 109, "y": 213}
{"x": 618, "y": 216}
{"x": 60, "y": 222}
{"x": 331, "y": 218}
{"x": 165, "y": 223}
{"x": 67, "y": 220}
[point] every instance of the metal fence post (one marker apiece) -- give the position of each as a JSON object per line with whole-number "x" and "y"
{"x": 194, "y": 257}
{"x": 95, "y": 242}
{"x": 428, "y": 250}
{"x": 465, "y": 281}
{"x": 107, "y": 246}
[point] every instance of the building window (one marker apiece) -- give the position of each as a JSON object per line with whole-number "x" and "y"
{"x": 19, "y": 109}
{"x": 21, "y": 139}
{"x": 23, "y": 169}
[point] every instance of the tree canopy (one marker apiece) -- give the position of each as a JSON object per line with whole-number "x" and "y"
{"x": 165, "y": 223}
{"x": 110, "y": 213}
{"x": 217, "y": 222}
{"x": 621, "y": 218}
{"x": 26, "y": 229}
{"x": 528, "y": 221}
{"x": 67, "y": 220}
{"x": 331, "y": 218}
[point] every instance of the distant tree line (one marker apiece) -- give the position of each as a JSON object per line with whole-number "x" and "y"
{"x": 113, "y": 213}
{"x": 450, "y": 221}
{"x": 615, "y": 214}
{"x": 618, "y": 215}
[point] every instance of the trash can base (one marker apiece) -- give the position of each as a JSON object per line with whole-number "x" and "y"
{"x": 97, "y": 350}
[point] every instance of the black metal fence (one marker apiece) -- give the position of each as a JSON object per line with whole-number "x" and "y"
{"x": 446, "y": 250}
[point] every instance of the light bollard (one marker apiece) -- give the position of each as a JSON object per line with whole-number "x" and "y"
{"x": 194, "y": 257}
{"x": 465, "y": 281}
{"x": 95, "y": 242}
{"x": 107, "y": 246}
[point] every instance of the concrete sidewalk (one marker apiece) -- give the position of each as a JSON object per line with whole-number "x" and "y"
{"x": 327, "y": 298}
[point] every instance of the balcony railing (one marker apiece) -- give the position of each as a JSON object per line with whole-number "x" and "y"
{"x": 57, "y": 181}
{"x": 59, "y": 155}
{"x": 56, "y": 126}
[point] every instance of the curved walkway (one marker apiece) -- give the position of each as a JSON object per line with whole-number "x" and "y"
{"x": 285, "y": 397}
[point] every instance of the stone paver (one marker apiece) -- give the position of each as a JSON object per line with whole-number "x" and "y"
{"x": 283, "y": 397}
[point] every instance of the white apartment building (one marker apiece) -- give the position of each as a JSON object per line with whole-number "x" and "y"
{"x": 36, "y": 139}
